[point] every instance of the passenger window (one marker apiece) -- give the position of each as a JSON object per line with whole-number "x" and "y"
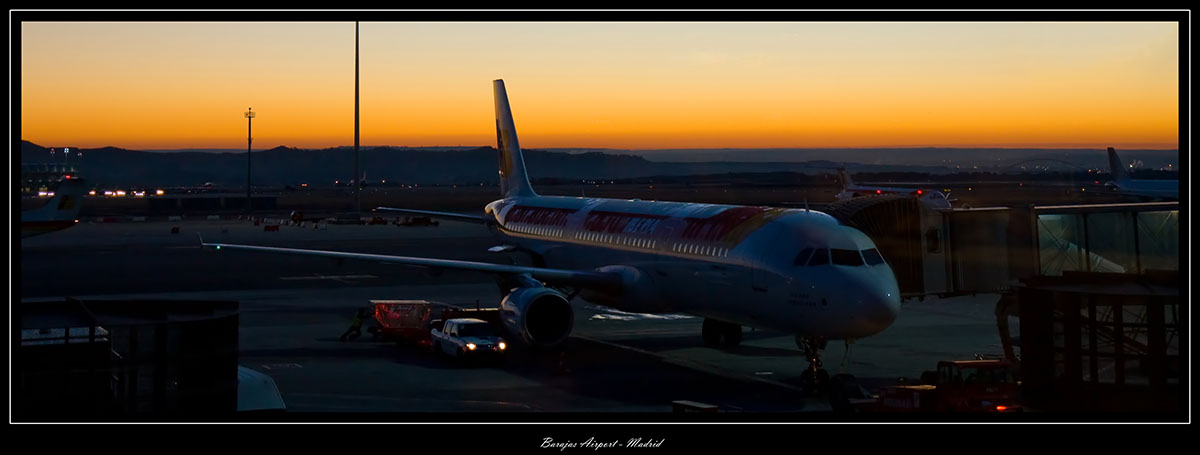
{"x": 846, "y": 257}
{"x": 820, "y": 257}
{"x": 872, "y": 256}
{"x": 802, "y": 258}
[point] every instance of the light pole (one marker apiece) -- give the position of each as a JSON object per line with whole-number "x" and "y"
{"x": 357, "y": 176}
{"x": 249, "y": 118}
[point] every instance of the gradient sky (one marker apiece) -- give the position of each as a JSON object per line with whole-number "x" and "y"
{"x": 642, "y": 85}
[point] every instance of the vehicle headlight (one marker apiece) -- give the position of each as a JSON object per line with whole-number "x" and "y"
{"x": 502, "y": 346}
{"x": 471, "y": 346}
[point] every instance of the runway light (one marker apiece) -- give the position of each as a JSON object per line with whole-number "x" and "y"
{"x": 1001, "y": 408}
{"x": 159, "y": 192}
{"x": 92, "y": 193}
{"x": 502, "y": 346}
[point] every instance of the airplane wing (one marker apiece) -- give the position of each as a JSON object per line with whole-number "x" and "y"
{"x": 446, "y": 215}
{"x": 579, "y": 278}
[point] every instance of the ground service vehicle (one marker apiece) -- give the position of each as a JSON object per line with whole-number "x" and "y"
{"x": 467, "y": 338}
{"x": 401, "y": 320}
{"x": 957, "y": 386}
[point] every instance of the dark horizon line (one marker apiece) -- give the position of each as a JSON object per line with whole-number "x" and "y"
{"x": 234, "y": 150}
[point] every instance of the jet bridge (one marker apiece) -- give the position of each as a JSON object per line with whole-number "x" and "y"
{"x": 985, "y": 250}
{"x": 1089, "y": 304}
{"x": 934, "y": 252}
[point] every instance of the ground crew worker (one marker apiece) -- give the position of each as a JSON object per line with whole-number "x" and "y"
{"x": 355, "y": 329}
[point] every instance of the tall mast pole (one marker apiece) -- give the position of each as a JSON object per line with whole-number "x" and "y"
{"x": 357, "y": 175}
{"x": 249, "y": 117}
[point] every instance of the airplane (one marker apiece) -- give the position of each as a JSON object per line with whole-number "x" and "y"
{"x": 60, "y": 212}
{"x": 1148, "y": 189}
{"x": 931, "y": 198}
{"x": 795, "y": 271}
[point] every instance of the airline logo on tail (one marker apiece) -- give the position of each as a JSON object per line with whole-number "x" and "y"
{"x": 60, "y": 212}
{"x": 513, "y": 179}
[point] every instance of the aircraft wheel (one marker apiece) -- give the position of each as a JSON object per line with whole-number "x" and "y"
{"x": 711, "y": 332}
{"x": 814, "y": 383}
{"x": 808, "y": 381}
{"x": 822, "y": 379}
{"x": 732, "y": 335}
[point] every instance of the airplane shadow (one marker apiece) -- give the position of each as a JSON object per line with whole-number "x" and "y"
{"x": 691, "y": 341}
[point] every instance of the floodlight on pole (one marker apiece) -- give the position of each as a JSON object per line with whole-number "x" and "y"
{"x": 249, "y": 117}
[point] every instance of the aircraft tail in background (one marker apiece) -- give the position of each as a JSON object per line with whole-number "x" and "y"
{"x": 1118, "y": 168}
{"x": 60, "y": 212}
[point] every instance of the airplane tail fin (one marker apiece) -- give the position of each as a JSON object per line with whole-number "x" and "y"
{"x": 845, "y": 178}
{"x": 1118, "y": 168}
{"x": 514, "y": 181}
{"x": 63, "y": 206}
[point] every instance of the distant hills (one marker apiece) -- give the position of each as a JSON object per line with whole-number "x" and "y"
{"x": 462, "y": 165}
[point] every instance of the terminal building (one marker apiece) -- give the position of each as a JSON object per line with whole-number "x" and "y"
{"x": 1089, "y": 305}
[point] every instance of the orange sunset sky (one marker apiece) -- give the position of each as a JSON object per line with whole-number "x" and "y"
{"x": 643, "y": 85}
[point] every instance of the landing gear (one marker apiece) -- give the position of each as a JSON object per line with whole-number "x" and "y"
{"x": 721, "y": 334}
{"x": 814, "y": 378}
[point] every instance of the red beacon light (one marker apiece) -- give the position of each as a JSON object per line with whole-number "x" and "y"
{"x": 878, "y": 191}
{"x": 919, "y": 192}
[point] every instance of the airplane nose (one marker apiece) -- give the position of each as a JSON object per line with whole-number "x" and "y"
{"x": 884, "y": 307}
{"x": 880, "y": 304}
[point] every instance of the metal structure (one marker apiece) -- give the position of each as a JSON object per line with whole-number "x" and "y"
{"x": 81, "y": 360}
{"x": 1094, "y": 341}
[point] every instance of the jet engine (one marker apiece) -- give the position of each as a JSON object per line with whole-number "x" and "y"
{"x": 540, "y": 316}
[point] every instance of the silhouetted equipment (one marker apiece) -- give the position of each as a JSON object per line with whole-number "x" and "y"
{"x": 96, "y": 359}
{"x": 1101, "y": 341}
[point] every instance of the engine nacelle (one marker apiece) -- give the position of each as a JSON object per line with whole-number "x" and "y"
{"x": 539, "y": 316}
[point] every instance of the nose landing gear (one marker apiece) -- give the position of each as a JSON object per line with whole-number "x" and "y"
{"x": 721, "y": 334}
{"x": 814, "y": 378}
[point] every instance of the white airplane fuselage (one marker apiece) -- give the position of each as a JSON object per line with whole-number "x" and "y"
{"x": 732, "y": 263}
{"x": 1156, "y": 189}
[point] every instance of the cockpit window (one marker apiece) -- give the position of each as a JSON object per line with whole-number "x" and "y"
{"x": 802, "y": 258}
{"x": 820, "y": 257}
{"x": 846, "y": 257}
{"x": 872, "y": 256}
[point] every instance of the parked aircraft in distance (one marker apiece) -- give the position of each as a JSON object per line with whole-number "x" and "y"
{"x": 1147, "y": 189}
{"x": 789, "y": 270}
{"x": 931, "y": 198}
